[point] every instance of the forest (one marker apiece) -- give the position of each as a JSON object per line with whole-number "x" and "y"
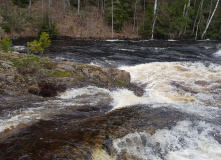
{"x": 149, "y": 19}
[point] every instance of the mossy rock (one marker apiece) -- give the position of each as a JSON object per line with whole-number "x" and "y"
{"x": 81, "y": 78}
{"x": 2, "y": 92}
{"x": 91, "y": 68}
{"x": 61, "y": 74}
{"x": 48, "y": 89}
{"x": 122, "y": 83}
{"x": 49, "y": 65}
{"x": 96, "y": 80}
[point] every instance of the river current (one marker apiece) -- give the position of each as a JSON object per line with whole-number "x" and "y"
{"x": 177, "y": 118}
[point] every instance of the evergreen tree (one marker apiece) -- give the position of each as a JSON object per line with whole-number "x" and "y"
{"x": 122, "y": 11}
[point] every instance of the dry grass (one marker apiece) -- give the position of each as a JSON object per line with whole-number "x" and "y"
{"x": 87, "y": 24}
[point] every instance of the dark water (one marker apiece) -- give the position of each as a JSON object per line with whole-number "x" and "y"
{"x": 178, "y": 117}
{"x": 116, "y": 53}
{"x": 123, "y": 52}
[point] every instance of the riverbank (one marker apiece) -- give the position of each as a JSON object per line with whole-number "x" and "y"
{"x": 89, "y": 23}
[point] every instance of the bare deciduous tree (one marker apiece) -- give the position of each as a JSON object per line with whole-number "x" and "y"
{"x": 69, "y": 3}
{"x": 112, "y": 13}
{"x": 211, "y": 17}
{"x": 6, "y": 8}
{"x": 135, "y": 15}
{"x": 79, "y": 3}
{"x": 154, "y": 18}
{"x": 0, "y": 32}
{"x": 30, "y": 8}
{"x": 196, "y": 24}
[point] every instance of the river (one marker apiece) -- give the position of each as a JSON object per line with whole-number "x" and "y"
{"x": 177, "y": 118}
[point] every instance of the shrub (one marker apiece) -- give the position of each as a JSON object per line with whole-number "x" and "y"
{"x": 49, "y": 26}
{"x": 29, "y": 64}
{"x": 122, "y": 12}
{"x": 6, "y": 27}
{"x": 45, "y": 40}
{"x": 6, "y": 43}
{"x": 39, "y": 46}
{"x": 16, "y": 21}
{"x": 26, "y": 61}
{"x": 21, "y": 3}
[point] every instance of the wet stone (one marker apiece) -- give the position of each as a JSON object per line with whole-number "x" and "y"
{"x": 65, "y": 137}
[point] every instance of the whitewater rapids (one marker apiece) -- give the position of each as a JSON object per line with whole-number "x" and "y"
{"x": 189, "y": 87}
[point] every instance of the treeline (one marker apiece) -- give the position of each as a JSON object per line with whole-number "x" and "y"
{"x": 151, "y": 19}
{"x": 168, "y": 19}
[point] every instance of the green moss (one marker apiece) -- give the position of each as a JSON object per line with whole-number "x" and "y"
{"x": 96, "y": 69}
{"x": 96, "y": 80}
{"x": 49, "y": 65}
{"x": 91, "y": 68}
{"x": 48, "y": 71}
{"x": 61, "y": 74}
{"x": 81, "y": 78}
{"x": 2, "y": 92}
{"x": 122, "y": 83}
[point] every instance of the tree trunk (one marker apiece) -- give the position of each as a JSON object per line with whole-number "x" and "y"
{"x": 220, "y": 32}
{"x": 207, "y": 25}
{"x": 6, "y": 8}
{"x": 0, "y": 32}
{"x": 184, "y": 12}
{"x": 42, "y": 5}
{"x": 210, "y": 10}
{"x": 198, "y": 14}
{"x": 135, "y": 12}
{"x": 102, "y": 14}
{"x": 112, "y": 13}
{"x": 69, "y": 3}
{"x": 155, "y": 18}
{"x": 187, "y": 15}
{"x": 29, "y": 8}
{"x": 79, "y": 2}
{"x": 49, "y": 5}
{"x": 144, "y": 11}
{"x": 194, "y": 5}
{"x": 197, "y": 28}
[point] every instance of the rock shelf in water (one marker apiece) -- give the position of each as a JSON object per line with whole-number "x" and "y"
{"x": 25, "y": 74}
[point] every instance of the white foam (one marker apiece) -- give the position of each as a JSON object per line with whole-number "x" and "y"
{"x": 217, "y": 54}
{"x": 124, "y": 97}
{"x": 185, "y": 141}
{"x": 90, "y": 90}
{"x": 157, "y": 48}
{"x": 113, "y": 40}
{"x": 171, "y": 40}
{"x": 52, "y": 107}
{"x": 169, "y": 82}
{"x": 46, "y": 110}
{"x": 18, "y": 48}
{"x": 129, "y": 50}
{"x": 20, "y": 117}
{"x": 95, "y": 64}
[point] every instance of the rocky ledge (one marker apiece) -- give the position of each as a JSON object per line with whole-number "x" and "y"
{"x": 27, "y": 74}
